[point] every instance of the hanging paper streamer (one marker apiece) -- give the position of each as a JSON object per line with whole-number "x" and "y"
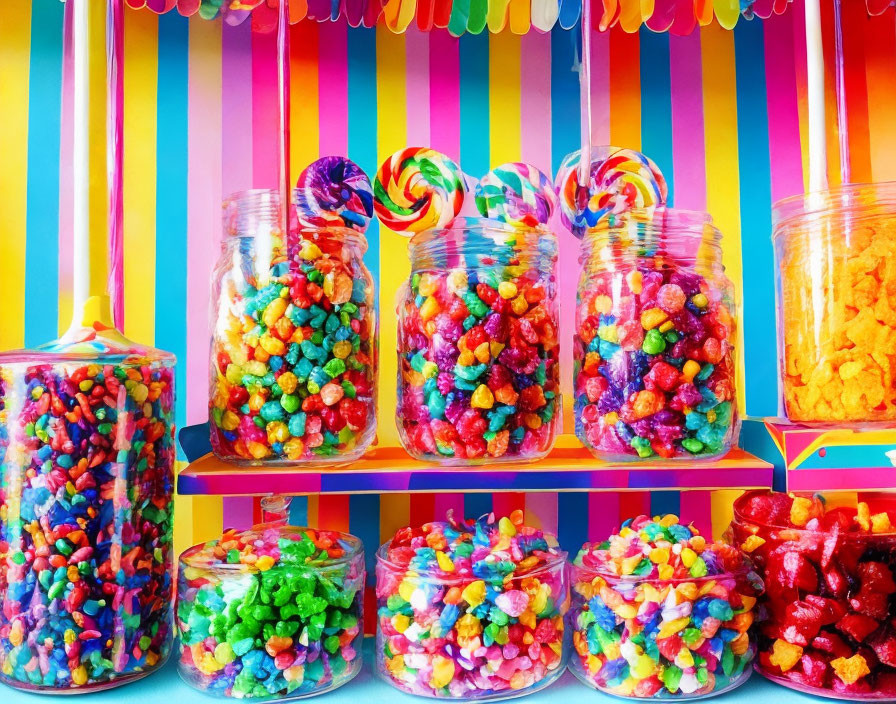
{"x": 620, "y": 180}
{"x": 418, "y": 189}
{"x": 517, "y": 194}
{"x": 334, "y": 191}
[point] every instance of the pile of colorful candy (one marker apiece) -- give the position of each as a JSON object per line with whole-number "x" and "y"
{"x": 477, "y": 339}
{"x": 85, "y": 518}
{"x": 659, "y": 612}
{"x": 836, "y": 316}
{"x": 471, "y": 610}
{"x": 271, "y": 612}
{"x": 829, "y": 612}
{"x": 655, "y": 374}
{"x": 294, "y": 358}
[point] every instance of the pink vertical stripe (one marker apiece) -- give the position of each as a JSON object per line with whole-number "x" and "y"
{"x": 448, "y": 502}
{"x": 535, "y": 100}
{"x": 236, "y": 106}
{"x": 203, "y": 217}
{"x": 600, "y": 87}
{"x": 66, "y": 146}
{"x": 541, "y": 511}
{"x": 333, "y": 88}
{"x": 444, "y": 93}
{"x": 603, "y": 516}
{"x": 696, "y": 507}
{"x": 265, "y": 113}
{"x": 783, "y": 111}
{"x": 688, "y": 148}
{"x": 239, "y": 512}
{"x": 418, "y": 86}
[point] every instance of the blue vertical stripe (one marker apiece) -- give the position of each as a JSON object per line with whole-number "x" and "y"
{"x": 656, "y": 102}
{"x": 42, "y": 215}
{"x": 572, "y": 520}
{"x": 666, "y": 502}
{"x": 565, "y": 119}
{"x": 171, "y": 197}
{"x": 298, "y": 511}
{"x": 364, "y": 523}
{"x": 758, "y": 297}
{"x": 476, "y": 505}
{"x": 362, "y": 124}
{"x": 474, "y": 106}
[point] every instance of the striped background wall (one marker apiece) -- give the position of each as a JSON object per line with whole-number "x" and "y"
{"x": 723, "y": 113}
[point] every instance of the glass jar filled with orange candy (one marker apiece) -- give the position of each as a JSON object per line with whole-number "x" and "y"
{"x": 836, "y": 304}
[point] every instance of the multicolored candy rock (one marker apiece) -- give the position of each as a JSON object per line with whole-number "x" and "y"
{"x": 477, "y": 344}
{"x": 658, "y": 612}
{"x": 87, "y": 454}
{"x": 654, "y": 345}
{"x": 294, "y": 341}
{"x": 831, "y": 576}
{"x": 271, "y": 613}
{"x": 471, "y": 610}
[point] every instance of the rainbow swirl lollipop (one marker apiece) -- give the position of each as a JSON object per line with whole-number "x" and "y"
{"x": 418, "y": 189}
{"x": 334, "y": 192}
{"x": 620, "y": 180}
{"x": 517, "y": 194}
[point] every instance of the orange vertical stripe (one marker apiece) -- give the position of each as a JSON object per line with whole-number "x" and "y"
{"x": 625, "y": 89}
{"x": 880, "y": 68}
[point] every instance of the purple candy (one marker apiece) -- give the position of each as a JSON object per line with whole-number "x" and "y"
{"x": 334, "y": 192}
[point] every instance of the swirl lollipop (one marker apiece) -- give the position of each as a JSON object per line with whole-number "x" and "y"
{"x": 334, "y": 191}
{"x": 517, "y": 194}
{"x": 620, "y": 180}
{"x": 418, "y": 189}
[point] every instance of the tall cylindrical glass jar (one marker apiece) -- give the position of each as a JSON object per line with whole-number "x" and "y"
{"x": 293, "y": 365}
{"x": 87, "y": 454}
{"x": 655, "y": 339}
{"x": 835, "y": 286}
{"x": 478, "y": 375}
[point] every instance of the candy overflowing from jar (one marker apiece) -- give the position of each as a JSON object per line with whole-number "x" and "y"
{"x": 86, "y": 515}
{"x": 659, "y": 612}
{"x": 294, "y": 353}
{"x": 471, "y": 610}
{"x": 272, "y": 612}
{"x": 654, "y": 375}
{"x": 828, "y": 625}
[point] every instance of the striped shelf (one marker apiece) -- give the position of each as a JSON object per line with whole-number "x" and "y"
{"x": 384, "y": 470}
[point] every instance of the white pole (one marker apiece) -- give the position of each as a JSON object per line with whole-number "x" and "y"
{"x": 81, "y": 156}
{"x": 585, "y": 95}
{"x": 818, "y": 178}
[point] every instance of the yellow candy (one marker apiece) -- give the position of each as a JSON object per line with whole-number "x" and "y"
{"x": 272, "y": 345}
{"x": 255, "y": 368}
{"x": 294, "y": 448}
{"x": 851, "y": 670}
{"x": 785, "y": 655}
{"x": 670, "y": 628}
{"x": 445, "y": 563}
{"x": 611, "y": 418}
{"x": 430, "y": 369}
{"x": 429, "y": 309}
{"x": 277, "y": 432}
{"x": 468, "y": 626}
{"x": 659, "y": 555}
{"x": 230, "y": 420}
{"x": 863, "y": 516}
{"x": 482, "y": 397}
{"x": 800, "y": 510}
{"x": 626, "y": 611}
{"x": 442, "y": 672}
{"x": 684, "y": 658}
{"x": 428, "y": 285}
{"x": 457, "y": 281}
{"x": 474, "y": 593}
{"x": 406, "y": 590}
{"x": 698, "y": 543}
{"x": 700, "y": 300}
{"x": 264, "y": 563}
{"x": 288, "y": 381}
{"x": 400, "y": 622}
{"x": 690, "y": 370}
{"x": 643, "y": 667}
{"x": 652, "y": 317}
{"x": 506, "y": 527}
{"x": 495, "y": 348}
{"x": 483, "y": 353}
{"x": 466, "y": 359}
{"x": 342, "y": 349}
{"x": 635, "y": 280}
{"x": 309, "y": 251}
{"x": 507, "y": 289}
{"x": 274, "y": 312}
{"x": 519, "y": 305}
{"x": 880, "y": 523}
{"x": 667, "y": 326}
{"x": 602, "y": 304}
{"x": 751, "y": 543}
{"x": 688, "y": 557}
{"x": 295, "y": 673}
{"x": 258, "y": 450}
{"x": 79, "y": 675}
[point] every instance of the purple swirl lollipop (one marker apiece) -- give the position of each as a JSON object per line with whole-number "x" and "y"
{"x": 334, "y": 192}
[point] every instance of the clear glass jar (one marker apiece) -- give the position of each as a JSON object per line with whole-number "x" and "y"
{"x": 294, "y": 344}
{"x": 273, "y": 612}
{"x": 87, "y": 453}
{"x": 478, "y": 370}
{"x": 835, "y": 287}
{"x": 654, "y": 367}
{"x": 492, "y": 655}
{"x": 656, "y": 639}
{"x": 825, "y": 623}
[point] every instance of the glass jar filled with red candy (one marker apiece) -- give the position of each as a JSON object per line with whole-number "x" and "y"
{"x": 293, "y": 365}
{"x": 654, "y": 345}
{"x": 478, "y": 375}
{"x": 828, "y": 621}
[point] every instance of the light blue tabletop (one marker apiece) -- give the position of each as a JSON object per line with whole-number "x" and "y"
{"x": 165, "y": 687}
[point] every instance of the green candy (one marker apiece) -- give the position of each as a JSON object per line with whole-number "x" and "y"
{"x": 653, "y": 342}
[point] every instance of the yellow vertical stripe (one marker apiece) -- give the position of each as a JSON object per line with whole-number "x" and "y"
{"x": 140, "y": 107}
{"x": 722, "y": 181}
{"x": 314, "y": 511}
{"x": 722, "y": 510}
{"x": 395, "y": 513}
{"x": 304, "y": 145}
{"x": 391, "y": 136}
{"x": 98, "y": 209}
{"x": 15, "y": 57}
{"x": 505, "y": 124}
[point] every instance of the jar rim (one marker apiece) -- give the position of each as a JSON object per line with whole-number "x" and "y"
{"x": 740, "y": 517}
{"x": 742, "y": 571}
{"x": 350, "y": 556}
{"x": 815, "y": 203}
{"x": 661, "y": 219}
{"x": 478, "y": 224}
{"x": 436, "y": 575}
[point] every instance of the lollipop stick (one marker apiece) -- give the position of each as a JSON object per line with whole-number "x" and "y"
{"x": 585, "y": 95}
{"x": 840, "y": 87}
{"x": 818, "y": 177}
{"x": 283, "y": 96}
